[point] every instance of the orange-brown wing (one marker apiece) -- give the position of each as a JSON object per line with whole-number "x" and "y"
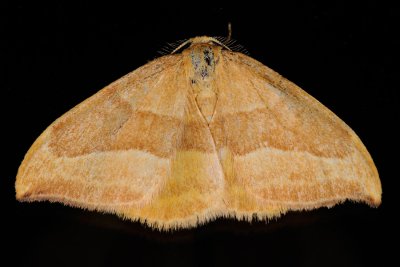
{"x": 126, "y": 148}
{"x": 280, "y": 148}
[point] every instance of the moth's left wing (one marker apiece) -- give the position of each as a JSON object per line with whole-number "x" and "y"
{"x": 280, "y": 148}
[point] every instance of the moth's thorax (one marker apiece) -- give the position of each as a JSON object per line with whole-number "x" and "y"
{"x": 201, "y": 61}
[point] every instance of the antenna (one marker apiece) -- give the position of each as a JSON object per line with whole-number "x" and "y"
{"x": 229, "y": 32}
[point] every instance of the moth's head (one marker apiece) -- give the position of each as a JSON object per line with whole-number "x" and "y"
{"x": 200, "y": 41}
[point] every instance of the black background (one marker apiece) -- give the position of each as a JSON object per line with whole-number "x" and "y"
{"x": 56, "y": 55}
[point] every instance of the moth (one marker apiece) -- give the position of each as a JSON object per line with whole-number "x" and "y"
{"x": 196, "y": 135}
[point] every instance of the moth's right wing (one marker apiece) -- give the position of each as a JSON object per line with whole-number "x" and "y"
{"x": 139, "y": 148}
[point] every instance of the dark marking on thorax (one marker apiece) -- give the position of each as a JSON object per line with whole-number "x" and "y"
{"x": 203, "y": 60}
